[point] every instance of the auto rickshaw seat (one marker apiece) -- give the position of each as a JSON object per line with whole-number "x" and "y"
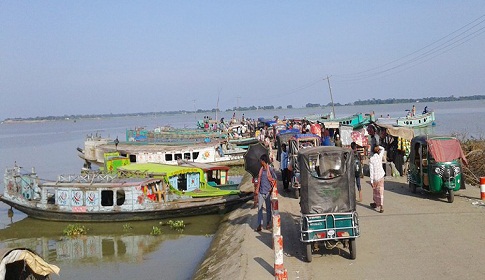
{"x": 425, "y": 179}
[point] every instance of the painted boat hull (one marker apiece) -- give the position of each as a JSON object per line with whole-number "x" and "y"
{"x": 97, "y": 197}
{"x": 177, "y": 209}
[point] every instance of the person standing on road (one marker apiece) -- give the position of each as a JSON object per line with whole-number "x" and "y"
{"x": 377, "y": 178}
{"x": 374, "y": 138}
{"x": 266, "y": 181}
{"x": 285, "y": 172}
{"x": 358, "y": 169}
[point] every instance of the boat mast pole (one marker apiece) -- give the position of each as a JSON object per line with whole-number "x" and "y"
{"x": 195, "y": 110}
{"x": 331, "y": 96}
{"x": 217, "y": 106}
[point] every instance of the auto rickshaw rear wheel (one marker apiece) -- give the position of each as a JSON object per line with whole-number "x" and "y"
{"x": 412, "y": 187}
{"x": 451, "y": 196}
{"x": 352, "y": 249}
{"x": 309, "y": 253}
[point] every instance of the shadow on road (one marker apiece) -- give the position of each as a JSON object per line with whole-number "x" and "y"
{"x": 265, "y": 264}
{"x": 403, "y": 189}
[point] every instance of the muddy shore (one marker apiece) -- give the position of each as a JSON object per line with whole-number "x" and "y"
{"x": 228, "y": 253}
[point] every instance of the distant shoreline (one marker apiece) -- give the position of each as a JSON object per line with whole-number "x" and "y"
{"x": 242, "y": 109}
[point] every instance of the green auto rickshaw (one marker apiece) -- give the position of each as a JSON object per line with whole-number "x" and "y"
{"x": 435, "y": 165}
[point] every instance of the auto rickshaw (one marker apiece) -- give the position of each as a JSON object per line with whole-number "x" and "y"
{"x": 282, "y": 138}
{"x": 328, "y": 209}
{"x": 434, "y": 165}
{"x": 295, "y": 144}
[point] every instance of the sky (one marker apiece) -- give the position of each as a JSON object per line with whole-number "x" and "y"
{"x": 98, "y": 57}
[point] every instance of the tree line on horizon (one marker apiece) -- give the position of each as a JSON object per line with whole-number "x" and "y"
{"x": 372, "y": 101}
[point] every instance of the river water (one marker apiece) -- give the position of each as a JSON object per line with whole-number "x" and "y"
{"x": 127, "y": 250}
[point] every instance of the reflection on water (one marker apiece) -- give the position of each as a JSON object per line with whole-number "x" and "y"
{"x": 115, "y": 244}
{"x": 91, "y": 249}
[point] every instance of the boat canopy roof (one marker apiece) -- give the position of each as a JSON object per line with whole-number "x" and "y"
{"x": 203, "y": 166}
{"x": 30, "y": 258}
{"x": 157, "y": 169}
{"x": 403, "y": 132}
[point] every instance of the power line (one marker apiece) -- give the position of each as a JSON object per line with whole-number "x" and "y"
{"x": 466, "y": 33}
{"x": 452, "y": 40}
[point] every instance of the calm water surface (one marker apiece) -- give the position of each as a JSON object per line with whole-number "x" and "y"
{"x": 109, "y": 251}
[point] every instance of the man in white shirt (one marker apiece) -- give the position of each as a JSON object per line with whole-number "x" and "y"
{"x": 377, "y": 174}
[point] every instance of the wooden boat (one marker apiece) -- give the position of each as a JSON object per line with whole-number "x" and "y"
{"x": 170, "y": 135}
{"x": 422, "y": 120}
{"x": 356, "y": 121}
{"x": 99, "y": 197}
{"x": 23, "y": 264}
{"x": 243, "y": 142}
{"x": 219, "y": 152}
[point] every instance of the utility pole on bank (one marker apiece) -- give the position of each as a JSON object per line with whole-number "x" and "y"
{"x": 331, "y": 96}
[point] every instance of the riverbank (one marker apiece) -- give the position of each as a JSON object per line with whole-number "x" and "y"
{"x": 408, "y": 234}
{"x": 233, "y": 243}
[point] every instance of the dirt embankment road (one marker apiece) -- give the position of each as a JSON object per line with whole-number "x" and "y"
{"x": 419, "y": 236}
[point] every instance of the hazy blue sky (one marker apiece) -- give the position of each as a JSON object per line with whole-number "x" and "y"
{"x": 95, "y": 57}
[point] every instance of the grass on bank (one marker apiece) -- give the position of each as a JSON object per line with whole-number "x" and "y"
{"x": 474, "y": 150}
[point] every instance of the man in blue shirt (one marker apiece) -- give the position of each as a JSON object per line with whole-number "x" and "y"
{"x": 285, "y": 173}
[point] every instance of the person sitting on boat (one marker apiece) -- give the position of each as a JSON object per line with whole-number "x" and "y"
{"x": 425, "y": 111}
{"x": 222, "y": 125}
{"x": 413, "y": 111}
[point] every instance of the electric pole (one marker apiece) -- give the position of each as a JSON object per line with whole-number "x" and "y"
{"x": 195, "y": 110}
{"x": 331, "y": 96}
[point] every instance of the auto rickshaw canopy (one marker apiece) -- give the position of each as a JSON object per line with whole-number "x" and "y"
{"x": 327, "y": 180}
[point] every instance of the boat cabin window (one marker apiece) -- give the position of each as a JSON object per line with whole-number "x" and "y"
{"x": 214, "y": 176}
{"x": 168, "y": 157}
{"x": 178, "y": 156}
{"x": 186, "y": 155}
{"x": 51, "y": 196}
{"x": 132, "y": 158}
{"x": 195, "y": 155}
{"x": 120, "y": 197}
{"x": 106, "y": 198}
{"x": 182, "y": 182}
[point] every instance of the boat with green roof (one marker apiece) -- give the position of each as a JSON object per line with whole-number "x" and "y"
{"x": 132, "y": 192}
